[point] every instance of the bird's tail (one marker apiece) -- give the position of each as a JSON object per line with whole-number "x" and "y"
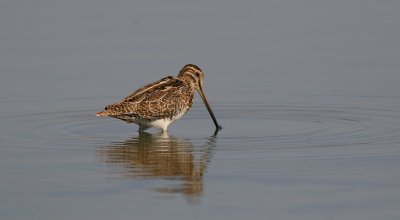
{"x": 114, "y": 109}
{"x": 103, "y": 113}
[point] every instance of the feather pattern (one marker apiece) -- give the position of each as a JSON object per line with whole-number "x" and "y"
{"x": 159, "y": 103}
{"x": 162, "y": 99}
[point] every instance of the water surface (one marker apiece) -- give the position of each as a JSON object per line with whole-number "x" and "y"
{"x": 307, "y": 93}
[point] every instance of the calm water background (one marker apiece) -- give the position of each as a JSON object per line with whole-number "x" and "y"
{"x": 307, "y": 91}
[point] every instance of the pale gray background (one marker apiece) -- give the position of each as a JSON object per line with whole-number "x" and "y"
{"x": 307, "y": 90}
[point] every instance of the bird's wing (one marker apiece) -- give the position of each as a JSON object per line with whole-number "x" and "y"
{"x": 156, "y": 100}
{"x": 136, "y": 95}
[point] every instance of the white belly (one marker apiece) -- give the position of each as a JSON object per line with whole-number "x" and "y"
{"x": 164, "y": 123}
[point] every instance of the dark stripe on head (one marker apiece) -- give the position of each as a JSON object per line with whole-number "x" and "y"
{"x": 189, "y": 68}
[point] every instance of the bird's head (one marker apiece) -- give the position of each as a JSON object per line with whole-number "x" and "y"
{"x": 195, "y": 76}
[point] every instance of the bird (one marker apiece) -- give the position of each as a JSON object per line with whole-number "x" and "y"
{"x": 161, "y": 103}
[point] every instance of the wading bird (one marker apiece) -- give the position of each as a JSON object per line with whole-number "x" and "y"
{"x": 160, "y": 103}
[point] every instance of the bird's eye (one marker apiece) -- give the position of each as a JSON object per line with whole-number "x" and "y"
{"x": 198, "y": 74}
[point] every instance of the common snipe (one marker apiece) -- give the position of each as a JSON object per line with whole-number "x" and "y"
{"x": 160, "y": 103}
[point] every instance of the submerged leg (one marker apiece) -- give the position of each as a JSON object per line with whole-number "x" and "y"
{"x": 142, "y": 128}
{"x": 164, "y": 131}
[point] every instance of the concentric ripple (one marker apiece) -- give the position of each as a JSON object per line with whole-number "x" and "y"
{"x": 314, "y": 125}
{"x": 49, "y": 129}
{"x": 257, "y": 126}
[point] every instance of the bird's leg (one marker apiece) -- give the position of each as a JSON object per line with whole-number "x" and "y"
{"x": 142, "y": 128}
{"x": 163, "y": 133}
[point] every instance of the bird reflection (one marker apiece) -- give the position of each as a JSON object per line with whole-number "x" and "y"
{"x": 162, "y": 157}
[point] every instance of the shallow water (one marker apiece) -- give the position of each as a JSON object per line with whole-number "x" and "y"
{"x": 307, "y": 94}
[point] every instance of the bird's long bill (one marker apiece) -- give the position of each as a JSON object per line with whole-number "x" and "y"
{"x": 217, "y": 126}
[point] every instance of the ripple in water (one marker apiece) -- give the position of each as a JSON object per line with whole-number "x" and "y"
{"x": 249, "y": 132}
{"x": 315, "y": 126}
{"x": 255, "y": 125}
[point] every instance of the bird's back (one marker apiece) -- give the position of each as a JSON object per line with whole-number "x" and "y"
{"x": 165, "y": 98}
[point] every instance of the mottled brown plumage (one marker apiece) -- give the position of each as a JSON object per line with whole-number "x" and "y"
{"x": 162, "y": 102}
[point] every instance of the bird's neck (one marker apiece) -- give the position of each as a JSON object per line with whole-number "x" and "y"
{"x": 188, "y": 79}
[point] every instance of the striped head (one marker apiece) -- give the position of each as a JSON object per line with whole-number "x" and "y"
{"x": 193, "y": 74}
